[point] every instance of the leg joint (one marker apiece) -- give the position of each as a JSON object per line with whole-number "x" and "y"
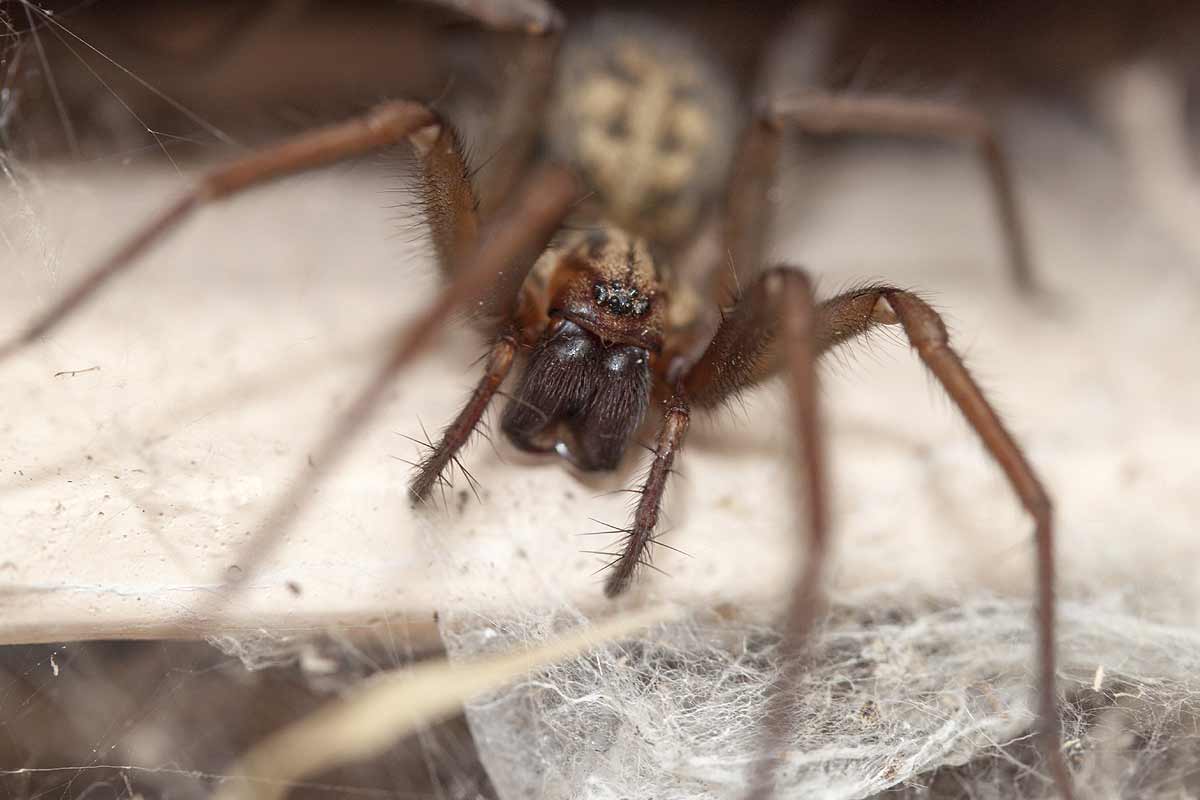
{"x": 922, "y": 325}
{"x": 777, "y": 278}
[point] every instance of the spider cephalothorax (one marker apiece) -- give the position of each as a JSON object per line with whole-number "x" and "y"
{"x": 588, "y": 376}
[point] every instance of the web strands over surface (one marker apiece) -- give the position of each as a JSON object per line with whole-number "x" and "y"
{"x": 926, "y": 703}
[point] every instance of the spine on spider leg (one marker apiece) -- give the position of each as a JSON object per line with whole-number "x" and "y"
{"x": 429, "y": 471}
{"x": 645, "y": 519}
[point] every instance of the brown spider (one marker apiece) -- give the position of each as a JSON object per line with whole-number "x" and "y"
{"x": 606, "y": 272}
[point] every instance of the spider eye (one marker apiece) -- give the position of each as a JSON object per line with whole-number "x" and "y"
{"x": 619, "y": 300}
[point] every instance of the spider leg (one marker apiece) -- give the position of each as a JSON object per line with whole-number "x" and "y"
{"x": 454, "y": 213}
{"x": 534, "y": 17}
{"x": 746, "y": 350}
{"x": 645, "y": 518}
{"x": 453, "y": 207}
{"x": 526, "y": 226}
{"x": 447, "y": 198}
{"x": 429, "y": 471}
{"x": 747, "y": 204}
{"x": 384, "y": 125}
{"x": 527, "y": 77}
{"x": 927, "y": 334}
{"x": 819, "y": 113}
{"x": 777, "y": 306}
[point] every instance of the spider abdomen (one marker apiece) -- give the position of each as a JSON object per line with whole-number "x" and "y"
{"x": 647, "y": 120}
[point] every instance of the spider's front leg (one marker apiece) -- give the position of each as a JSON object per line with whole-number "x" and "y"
{"x": 768, "y": 331}
{"x": 855, "y": 313}
{"x": 452, "y": 211}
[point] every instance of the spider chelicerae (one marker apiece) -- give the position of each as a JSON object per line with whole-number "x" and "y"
{"x": 615, "y": 259}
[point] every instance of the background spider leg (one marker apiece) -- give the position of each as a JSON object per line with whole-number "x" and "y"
{"x": 780, "y": 304}
{"x": 831, "y": 114}
{"x": 747, "y": 205}
{"x": 517, "y": 120}
{"x": 524, "y": 16}
{"x": 727, "y": 252}
{"x": 527, "y": 226}
{"x": 384, "y": 125}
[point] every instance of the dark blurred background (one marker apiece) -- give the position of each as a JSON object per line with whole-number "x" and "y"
{"x": 89, "y": 78}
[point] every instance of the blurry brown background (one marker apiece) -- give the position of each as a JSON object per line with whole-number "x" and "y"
{"x": 252, "y": 69}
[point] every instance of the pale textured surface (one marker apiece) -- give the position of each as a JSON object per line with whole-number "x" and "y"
{"x": 128, "y": 490}
{"x": 221, "y": 358}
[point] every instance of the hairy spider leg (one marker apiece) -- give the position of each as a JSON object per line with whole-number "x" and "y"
{"x": 384, "y": 125}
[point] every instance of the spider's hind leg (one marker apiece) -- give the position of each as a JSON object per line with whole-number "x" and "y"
{"x": 826, "y": 114}
{"x": 820, "y": 113}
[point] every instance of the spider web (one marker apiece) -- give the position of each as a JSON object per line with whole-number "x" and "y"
{"x": 920, "y": 678}
{"x": 933, "y": 700}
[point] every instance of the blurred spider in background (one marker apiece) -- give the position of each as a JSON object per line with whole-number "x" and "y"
{"x": 615, "y": 256}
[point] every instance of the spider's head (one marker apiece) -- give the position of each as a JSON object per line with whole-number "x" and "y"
{"x": 607, "y": 284}
{"x": 587, "y": 382}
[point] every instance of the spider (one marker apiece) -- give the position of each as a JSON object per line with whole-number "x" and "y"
{"x": 615, "y": 259}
